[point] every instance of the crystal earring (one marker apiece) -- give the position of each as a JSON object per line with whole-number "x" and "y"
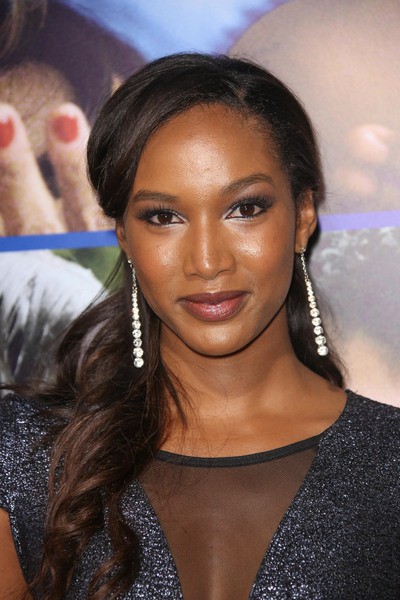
{"x": 320, "y": 339}
{"x": 137, "y": 352}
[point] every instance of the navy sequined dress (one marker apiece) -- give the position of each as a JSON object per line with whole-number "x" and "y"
{"x": 324, "y": 510}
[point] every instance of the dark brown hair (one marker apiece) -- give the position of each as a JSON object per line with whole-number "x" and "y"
{"x": 113, "y": 417}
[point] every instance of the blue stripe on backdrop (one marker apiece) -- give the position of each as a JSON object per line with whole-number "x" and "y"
{"x": 91, "y": 239}
{"x": 61, "y": 241}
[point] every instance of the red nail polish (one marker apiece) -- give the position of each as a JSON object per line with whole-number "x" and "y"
{"x": 6, "y": 132}
{"x": 65, "y": 128}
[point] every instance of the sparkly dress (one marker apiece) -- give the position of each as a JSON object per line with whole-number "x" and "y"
{"x": 315, "y": 520}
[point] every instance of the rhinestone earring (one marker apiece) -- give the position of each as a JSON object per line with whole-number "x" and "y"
{"x": 320, "y": 339}
{"x": 137, "y": 352}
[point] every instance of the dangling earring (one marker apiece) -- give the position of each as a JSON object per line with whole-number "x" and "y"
{"x": 320, "y": 340}
{"x": 137, "y": 352}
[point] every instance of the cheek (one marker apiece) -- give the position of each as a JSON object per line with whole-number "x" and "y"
{"x": 156, "y": 265}
{"x": 268, "y": 254}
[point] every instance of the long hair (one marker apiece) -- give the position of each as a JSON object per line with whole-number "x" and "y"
{"x": 116, "y": 413}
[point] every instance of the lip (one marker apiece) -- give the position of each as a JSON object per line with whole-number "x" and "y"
{"x": 214, "y": 306}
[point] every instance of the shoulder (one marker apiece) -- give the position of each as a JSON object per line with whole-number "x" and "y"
{"x": 21, "y": 418}
{"x": 372, "y": 419}
{"x": 359, "y": 462}
{"x": 23, "y": 456}
{"x": 367, "y": 436}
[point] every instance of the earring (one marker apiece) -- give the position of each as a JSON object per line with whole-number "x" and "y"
{"x": 320, "y": 340}
{"x": 137, "y": 352}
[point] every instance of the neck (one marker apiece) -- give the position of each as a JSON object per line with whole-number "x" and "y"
{"x": 258, "y": 398}
{"x": 247, "y": 380}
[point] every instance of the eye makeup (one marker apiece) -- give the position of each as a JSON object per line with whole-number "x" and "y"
{"x": 247, "y": 208}
{"x": 260, "y": 202}
{"x": 165, "y": 215}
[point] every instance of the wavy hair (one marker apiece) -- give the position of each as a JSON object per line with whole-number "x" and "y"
{"x": 118, "y": 414}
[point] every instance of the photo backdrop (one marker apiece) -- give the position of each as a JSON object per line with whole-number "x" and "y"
{"x": 60, "y": 59}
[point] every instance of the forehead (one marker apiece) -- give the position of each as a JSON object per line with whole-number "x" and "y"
{"x": 216, "y": 121}
{"x": 212, "y": 142}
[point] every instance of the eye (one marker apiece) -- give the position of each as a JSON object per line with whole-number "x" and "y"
{"x": 249, "y": 208}
{"x": 160, "y": 217}
{"x": 163, "y": 217}
{"x": 246, "y": 210}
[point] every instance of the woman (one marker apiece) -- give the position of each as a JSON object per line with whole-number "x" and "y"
{"x": 199, "y": 441}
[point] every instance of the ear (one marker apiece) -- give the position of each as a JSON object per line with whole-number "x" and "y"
{"x": 121, "y": 236}
{"x": 306, "y": 221}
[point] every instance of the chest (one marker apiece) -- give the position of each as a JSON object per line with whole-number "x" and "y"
{"x": 331, "y": 538}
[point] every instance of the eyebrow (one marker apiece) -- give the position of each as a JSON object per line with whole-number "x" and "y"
{"x": 228, "y": 189}
{"x": 149, "y": 195}
{"x": 245, "y": 181}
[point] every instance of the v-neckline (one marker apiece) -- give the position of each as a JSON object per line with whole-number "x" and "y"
{"x": 276, "y": 537}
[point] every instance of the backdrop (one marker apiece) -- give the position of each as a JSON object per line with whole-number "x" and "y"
{"x": 60, "y": 59}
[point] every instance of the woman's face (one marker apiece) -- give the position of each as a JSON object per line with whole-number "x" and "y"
{"x": 211, "y": 230}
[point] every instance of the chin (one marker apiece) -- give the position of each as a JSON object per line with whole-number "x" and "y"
{"x": 218, "y": 348}
{"x": 212, "y": 341}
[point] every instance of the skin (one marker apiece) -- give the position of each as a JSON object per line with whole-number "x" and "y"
{"x": 199, "y": 165}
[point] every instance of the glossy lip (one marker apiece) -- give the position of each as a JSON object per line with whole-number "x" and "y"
{"x": 213, "y": 306}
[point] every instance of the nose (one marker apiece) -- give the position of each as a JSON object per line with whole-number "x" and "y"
{"x": 209, "y": 251}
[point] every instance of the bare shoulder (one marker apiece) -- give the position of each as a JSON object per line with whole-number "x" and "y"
{"x": 12, "y": 582}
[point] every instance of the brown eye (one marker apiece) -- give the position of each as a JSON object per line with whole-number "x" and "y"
{"x": 160, "y": 217}
{"x": 247, "y": 210}
{"x": 250, "y": 208}
{"x": 164, "y": 218}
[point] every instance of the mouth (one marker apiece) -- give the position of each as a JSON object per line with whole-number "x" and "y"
{"x": 216, "y": 306}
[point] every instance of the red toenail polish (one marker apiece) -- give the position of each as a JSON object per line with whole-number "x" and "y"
{"x": 65, "y": 128}
{"x": 6, "y": 132}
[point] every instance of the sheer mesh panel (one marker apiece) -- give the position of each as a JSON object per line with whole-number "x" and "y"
{"x": 219, "y": 515}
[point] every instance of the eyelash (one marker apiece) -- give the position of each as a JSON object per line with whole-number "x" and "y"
{"x": 149, "y": 213}
{"x": 261, "y": 202}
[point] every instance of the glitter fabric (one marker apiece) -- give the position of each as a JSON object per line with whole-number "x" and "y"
{"x": 339, "y": 539}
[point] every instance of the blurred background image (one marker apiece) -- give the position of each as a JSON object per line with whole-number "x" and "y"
{"x": 60, "y": 59}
